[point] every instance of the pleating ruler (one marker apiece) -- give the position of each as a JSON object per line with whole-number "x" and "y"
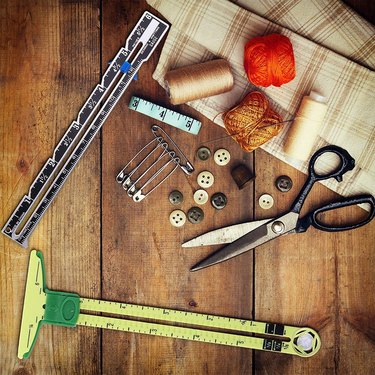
{"x": 43, "y": 306}
{"x": 158, "y": 112}
{"x": 139, "y": 45}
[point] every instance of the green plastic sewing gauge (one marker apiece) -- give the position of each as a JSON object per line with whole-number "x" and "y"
{"x": 43, "y": 306}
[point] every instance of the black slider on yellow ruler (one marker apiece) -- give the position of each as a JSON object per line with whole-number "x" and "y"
{"x": 42, "y": 306}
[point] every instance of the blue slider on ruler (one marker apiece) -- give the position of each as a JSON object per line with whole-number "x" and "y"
{"x": 165, "y": 115}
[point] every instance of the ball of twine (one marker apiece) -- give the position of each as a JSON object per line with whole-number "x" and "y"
{"x": 269, "y": 60}
{"x": 253, "y": 122}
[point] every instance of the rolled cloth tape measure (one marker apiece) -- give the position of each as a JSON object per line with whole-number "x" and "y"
{"x": 168, "y": 116}
{"x": 302, "y": 134}
{"x": 199, "y": 81}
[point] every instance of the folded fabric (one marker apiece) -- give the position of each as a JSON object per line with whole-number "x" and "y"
{"x": 205, "y": 29}
{"x": 330, "y": 23}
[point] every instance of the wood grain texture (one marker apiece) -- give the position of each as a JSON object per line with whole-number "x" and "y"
{"x": 49, "y": 64}
{"x": 316, "y": 279}
{"x": 99, "y": 243}
{"x": 142, "y": 258}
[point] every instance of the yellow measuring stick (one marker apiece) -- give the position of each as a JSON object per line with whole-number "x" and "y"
{"x": 42, "y": 306}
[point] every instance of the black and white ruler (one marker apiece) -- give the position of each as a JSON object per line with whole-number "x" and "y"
{"x": 141, "y": 42}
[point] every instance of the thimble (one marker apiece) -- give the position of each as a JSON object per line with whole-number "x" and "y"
{"x": 242, "y": 175}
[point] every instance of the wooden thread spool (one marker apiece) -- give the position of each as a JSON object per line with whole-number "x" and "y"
{"x": 199, "y": 81}
{"x": 305, "y": 128}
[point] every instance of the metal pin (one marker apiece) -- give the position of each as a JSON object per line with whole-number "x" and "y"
{"x": 169, "y": 153}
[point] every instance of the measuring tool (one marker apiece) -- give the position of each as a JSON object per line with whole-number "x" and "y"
{"x": 141, "y": 42}
{"x": 43, "y": 306}
{"x": 168, "y": 116}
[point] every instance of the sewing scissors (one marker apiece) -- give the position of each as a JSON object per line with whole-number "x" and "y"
{"x": 246, "y": 236}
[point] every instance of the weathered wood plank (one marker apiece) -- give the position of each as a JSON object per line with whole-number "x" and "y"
{"x": 316, "y": 279}
{"x": 49, "y": 64}
{"x": 142, "y": 258}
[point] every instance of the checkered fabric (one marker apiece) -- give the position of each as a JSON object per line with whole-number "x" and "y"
{"x": 206, "y": 29}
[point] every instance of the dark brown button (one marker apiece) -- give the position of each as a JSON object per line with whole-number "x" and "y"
{"x": 284, "y": 183}
{"x": 195, "y": 215}
{"x": 176, "y": 197}
{"x": 219, "y": 201}
{"x": 203, "y": 153}
{"x": 241, "y": 175}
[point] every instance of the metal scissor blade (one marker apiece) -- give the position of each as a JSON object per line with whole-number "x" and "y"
{"x": 257, "y": 237}
{"x": 224, "y": 235}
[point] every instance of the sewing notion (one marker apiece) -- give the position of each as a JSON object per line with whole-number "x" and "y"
{"x": 269, "y": 60}
{"x": 252, "y": 122}
{"x": 165, "y": 115}
{"x": 152, "y": 165}
{"x": 306, "y": 126}
{"x": 44, "y": 306}
{"x": 199, "y": 81}
{"x": 244, "y": 237}
{"x": 147, "y": 33}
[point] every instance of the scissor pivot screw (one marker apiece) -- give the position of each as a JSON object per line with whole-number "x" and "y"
{"x": 278, "y": 227}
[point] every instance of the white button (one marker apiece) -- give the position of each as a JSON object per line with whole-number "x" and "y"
{"x": 205, "y": 179}
{"x": 266, "y": 201}
{"x": 177, "y": 218}
{"x": 222, "y": 156}
{"x": 200, "y": 196}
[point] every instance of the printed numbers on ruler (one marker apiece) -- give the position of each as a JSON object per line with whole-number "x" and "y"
{"x": 165, "y": 115}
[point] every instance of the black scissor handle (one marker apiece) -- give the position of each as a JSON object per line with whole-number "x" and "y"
{"x": 311, "y": 218}
{"x": 347, "y": 163}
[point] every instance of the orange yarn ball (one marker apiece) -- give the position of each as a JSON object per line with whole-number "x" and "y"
{"x": 269, "y": 60}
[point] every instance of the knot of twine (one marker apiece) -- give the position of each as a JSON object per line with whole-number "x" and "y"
{"x": 269, "y": 60}
{"x": 252, "y": 122}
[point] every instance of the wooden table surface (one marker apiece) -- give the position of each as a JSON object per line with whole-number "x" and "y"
{"x": 100, "y": 244}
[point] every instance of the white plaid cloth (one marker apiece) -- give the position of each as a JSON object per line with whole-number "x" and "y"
{"x": 204, "y": 29}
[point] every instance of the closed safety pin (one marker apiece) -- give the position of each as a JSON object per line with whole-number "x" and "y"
{"x": 160, "y": 157}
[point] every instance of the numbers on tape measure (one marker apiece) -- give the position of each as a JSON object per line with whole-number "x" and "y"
{"x": 168, "y": 116}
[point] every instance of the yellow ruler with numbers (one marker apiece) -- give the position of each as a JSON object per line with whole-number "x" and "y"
{"x": 43, "y": 306}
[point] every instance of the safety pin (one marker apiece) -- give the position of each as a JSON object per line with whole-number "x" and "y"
{"x": 127, "y": 183}
{"x": 188, "y": 167}
{"x": 122, "y": 175}
{"x": 153, "y": 164}
{"x": 129, "y": 179}
{"x": 138, "y": 195}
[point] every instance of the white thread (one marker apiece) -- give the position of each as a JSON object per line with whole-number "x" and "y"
{"x": 302, "y": 134}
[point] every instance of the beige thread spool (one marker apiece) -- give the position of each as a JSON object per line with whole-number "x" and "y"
{"x": 199, "y": 81}
{"x": 305, "y": 128}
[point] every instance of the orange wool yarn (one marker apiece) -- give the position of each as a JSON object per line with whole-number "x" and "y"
{"x": 252, "y": 122}
{"x": 269, "y": 60}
